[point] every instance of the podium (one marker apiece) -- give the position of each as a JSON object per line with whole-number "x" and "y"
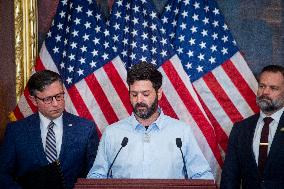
{"x": 144, "y": 183}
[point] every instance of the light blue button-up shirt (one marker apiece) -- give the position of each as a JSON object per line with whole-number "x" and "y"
{"x": 150, "y": 153}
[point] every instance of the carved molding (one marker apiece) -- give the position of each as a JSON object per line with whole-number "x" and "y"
{"x": 25, "y": 14}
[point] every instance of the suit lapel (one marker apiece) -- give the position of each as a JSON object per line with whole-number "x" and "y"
{"x": 67, "y": 135}
{"x": 250, "y": 142}
{"x": 35, "y": 140}
{"x": 277, "y": 143}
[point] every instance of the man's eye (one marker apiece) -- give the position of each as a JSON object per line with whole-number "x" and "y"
{"x": 47, "y": 99}
{"x": 260, "y": 86}
{"x": 274, "y": 88}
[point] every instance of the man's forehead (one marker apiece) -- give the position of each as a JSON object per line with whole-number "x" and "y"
{"x": 50, "y": 87}
{"x": 139, "y": 91}
{"x": 141, "y": 83}
{"x": 271, "y": 79}
{"x": 272, "y": 75}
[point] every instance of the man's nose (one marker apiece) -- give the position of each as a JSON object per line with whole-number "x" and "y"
{"x": 266, "y": 90}
{"x": 54, "y": 102}
{"x": 140, "y": 98}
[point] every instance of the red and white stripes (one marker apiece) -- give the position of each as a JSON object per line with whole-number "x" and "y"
{"x": 228, "y": 95}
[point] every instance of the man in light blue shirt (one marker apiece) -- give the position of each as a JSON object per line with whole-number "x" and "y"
{"x": 151, "y": 150}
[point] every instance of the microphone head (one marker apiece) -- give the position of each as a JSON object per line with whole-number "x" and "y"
{"x": 178, "y": 142}
{"x": 124, "y": 142}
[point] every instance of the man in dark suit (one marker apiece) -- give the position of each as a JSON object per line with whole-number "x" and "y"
{"x": 47, "y": 136}
{"x": 255, "y": 156}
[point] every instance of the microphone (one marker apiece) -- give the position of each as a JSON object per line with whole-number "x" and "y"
{"x": 123, "y": 144}
{"x": 179, "y": 145}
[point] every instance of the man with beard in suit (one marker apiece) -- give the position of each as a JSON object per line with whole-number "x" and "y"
{"x": 255, "y": 156}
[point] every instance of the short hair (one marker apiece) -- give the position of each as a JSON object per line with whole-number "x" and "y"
{"x": 272, "y": 68}
{"x": 39, "y": 80}
{"x": 145, "y": 71}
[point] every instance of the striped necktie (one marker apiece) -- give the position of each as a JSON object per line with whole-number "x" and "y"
{"x": 50, "y": 147}
{"x": 263, "y": 146}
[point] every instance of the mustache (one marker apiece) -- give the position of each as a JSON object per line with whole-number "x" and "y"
{"x": 264, "y": 98}
{"x": 141, "y": 105}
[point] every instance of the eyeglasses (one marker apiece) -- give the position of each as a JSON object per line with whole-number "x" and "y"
{"x": 49, "y": 99}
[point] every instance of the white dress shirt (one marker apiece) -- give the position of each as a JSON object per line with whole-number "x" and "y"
{"x": 58, "y": 130}
{"x": 272, "y": 130}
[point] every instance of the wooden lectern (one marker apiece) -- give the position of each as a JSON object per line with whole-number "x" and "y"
{"x": 144, "y": 183}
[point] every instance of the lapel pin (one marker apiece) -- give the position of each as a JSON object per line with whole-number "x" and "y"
{"x": 70, "y": 125}
{"x": 282, "y": 129}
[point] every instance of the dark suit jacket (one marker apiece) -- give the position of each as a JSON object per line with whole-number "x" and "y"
{"x": 23, "y": 150}
{"x": 240, "y": 167}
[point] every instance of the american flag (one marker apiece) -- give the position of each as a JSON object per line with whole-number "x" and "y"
{"x": 221, "y": 77}
{"x": 139, "y": 35}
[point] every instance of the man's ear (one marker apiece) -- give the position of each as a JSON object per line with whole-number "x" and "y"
{"x": 160, "y": 93}
{"x": 33, "y": 99}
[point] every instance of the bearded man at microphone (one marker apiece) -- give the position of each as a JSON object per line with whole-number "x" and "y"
{"x": 148, "y": 144}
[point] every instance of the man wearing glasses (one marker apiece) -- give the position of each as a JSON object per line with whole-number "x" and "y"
{"x": 48, "y": 136}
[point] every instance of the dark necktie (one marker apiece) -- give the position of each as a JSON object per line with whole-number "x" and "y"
{"x": 50, "y": 147}
{"x": 263, "y": 146}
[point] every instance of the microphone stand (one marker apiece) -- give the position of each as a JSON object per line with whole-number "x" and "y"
{"x": 179, "y": 145}
{"x": 123, "y": 144}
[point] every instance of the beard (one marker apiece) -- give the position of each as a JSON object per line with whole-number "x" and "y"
{"x": 147, "y": 111}
{"x": 267, "y": 104}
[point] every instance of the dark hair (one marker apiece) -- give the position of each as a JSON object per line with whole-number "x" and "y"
{"x": 272, "y": 68}
{"x": 41, "y": 79}
{"x": 145, "y": 71}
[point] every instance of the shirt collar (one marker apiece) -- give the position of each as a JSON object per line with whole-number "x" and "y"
{"x": 45, "y": 121}
{"x": 276, "y": 115}
{"x": 158, "y": 123}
